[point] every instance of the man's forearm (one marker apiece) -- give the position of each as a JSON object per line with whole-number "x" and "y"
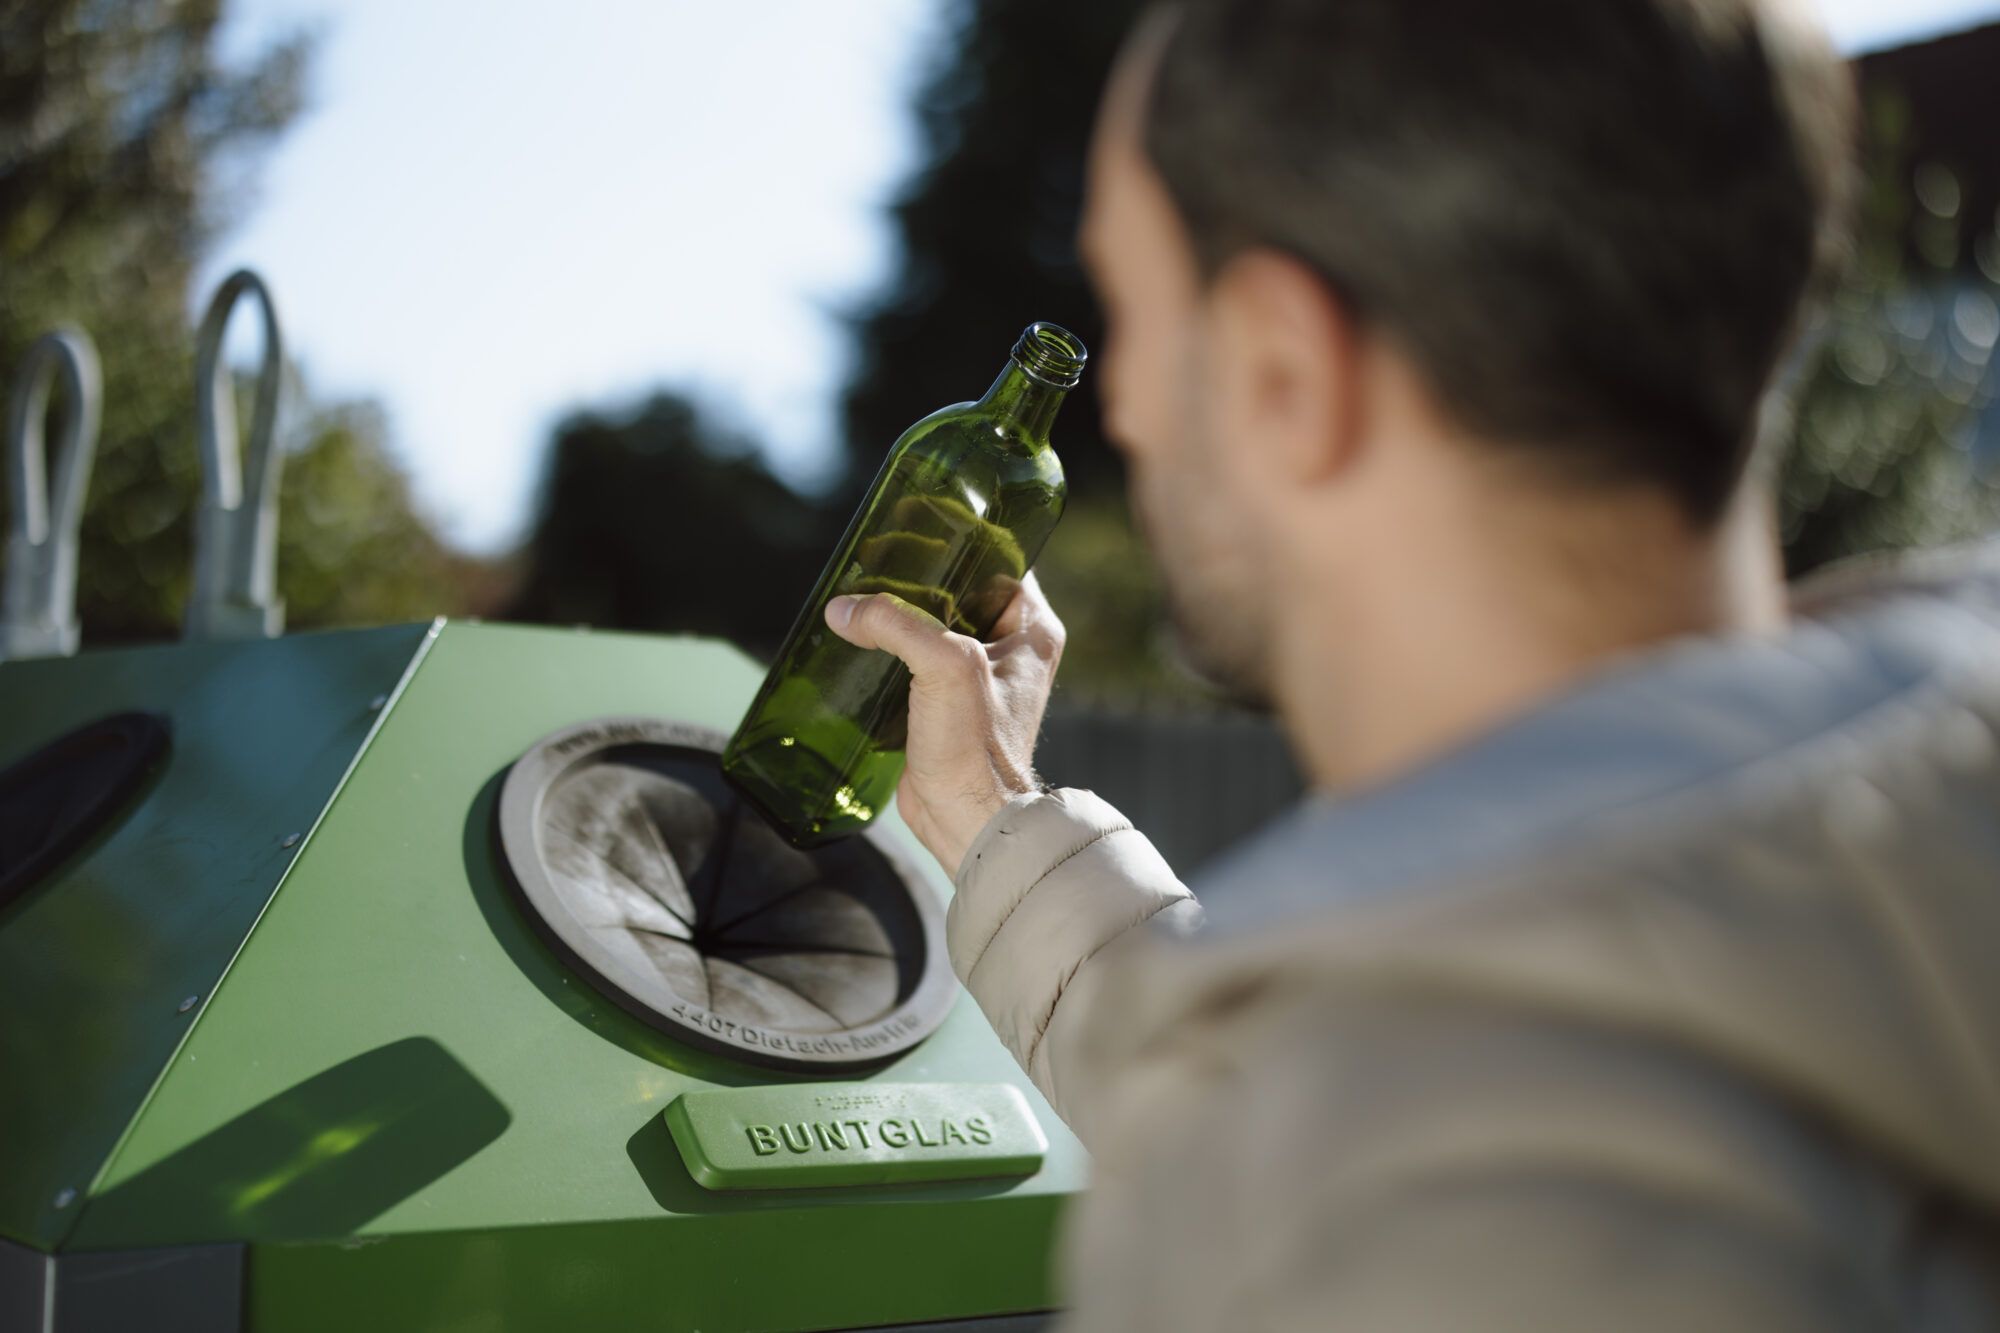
{"x": 1050, "y": 882}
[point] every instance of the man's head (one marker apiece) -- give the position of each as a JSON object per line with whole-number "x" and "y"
{"x": 1349, "y": 247}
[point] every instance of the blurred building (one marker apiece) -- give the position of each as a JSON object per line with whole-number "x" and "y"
{"x": 1946, "y": 87}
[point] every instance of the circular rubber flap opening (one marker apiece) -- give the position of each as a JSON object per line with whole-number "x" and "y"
{"x": 56, "y": 799}
{"x": 641, "y": 865}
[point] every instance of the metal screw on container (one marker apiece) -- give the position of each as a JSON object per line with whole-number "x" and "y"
{"x": 291, "y": 840}
{"x": 375, "y": 704}
{"x": 64, "y": 1198}
{"x": 189, "y": 1003}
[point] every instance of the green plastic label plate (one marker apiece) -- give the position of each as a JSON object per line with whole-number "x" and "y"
{"x": 816, "y": 1135}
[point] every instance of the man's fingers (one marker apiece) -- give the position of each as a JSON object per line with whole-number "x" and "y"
{"x": 1027, "y": 608}
{"x": 884, "y": 620}
{"x": 1030, "y": 611}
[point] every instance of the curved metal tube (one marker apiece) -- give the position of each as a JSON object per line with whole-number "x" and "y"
{"x": 38, "y": 607}
{"x": 236, "y": 528}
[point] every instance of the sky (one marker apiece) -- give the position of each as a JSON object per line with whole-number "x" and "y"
{"x": 492, "y": 213}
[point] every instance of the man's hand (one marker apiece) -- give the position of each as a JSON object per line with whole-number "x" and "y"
{"x": 975, "y": 708}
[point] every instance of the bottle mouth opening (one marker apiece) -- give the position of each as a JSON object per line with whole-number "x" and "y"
{"x": 1051, "y": 354}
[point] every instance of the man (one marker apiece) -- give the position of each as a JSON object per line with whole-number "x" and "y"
{"x": 1630, "y": 966}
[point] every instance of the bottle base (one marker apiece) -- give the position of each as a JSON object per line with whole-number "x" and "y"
{"x": 773, "y": 789}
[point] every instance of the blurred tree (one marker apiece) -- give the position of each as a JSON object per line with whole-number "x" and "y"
{"x": 352, "y": 547}
{"x": 987, "y": 226}
{"x": 656, "y": 519}
{"x": 1885, "y": 450}
{"x": 640, "y": 508}
{"x": 1886, "y": 407}
{"x": 110, "y": 118}
{"x": 988, "y": 230}
{"x": 122, "y": 136}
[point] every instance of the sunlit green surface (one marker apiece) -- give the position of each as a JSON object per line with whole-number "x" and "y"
{"x": 96, "y": 962}
{"x": 958, "y": 513}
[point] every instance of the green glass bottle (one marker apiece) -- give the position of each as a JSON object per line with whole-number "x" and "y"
{"x": 958, "y": 512}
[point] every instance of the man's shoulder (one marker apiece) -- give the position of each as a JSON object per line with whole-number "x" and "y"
{"x": 1775, "y": 859}
{"x": 1887, "y": 683}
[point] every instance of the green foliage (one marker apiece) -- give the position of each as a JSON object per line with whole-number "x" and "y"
{"x": 110, "y": 116}
{"x": 1883, "y": 454}
{"x": 121, "y": 132}
{"x": 352, "y": 548}
{"x": 656, "y": 519}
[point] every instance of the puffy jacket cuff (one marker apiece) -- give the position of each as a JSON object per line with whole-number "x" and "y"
{"x": 1050, "y": 880}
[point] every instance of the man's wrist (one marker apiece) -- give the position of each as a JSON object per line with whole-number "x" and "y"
{"x": 977, "y": 816}
{"x": 970, "y": 820}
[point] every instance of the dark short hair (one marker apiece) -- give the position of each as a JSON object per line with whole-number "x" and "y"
{"x": 1591, "y": 223}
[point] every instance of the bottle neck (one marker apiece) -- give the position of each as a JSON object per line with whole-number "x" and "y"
{"x": 1024, "y": 400}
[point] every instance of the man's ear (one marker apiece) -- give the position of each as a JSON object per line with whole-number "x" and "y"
{"x": 1292, "y": 362}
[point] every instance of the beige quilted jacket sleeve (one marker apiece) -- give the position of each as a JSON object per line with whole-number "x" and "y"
{"x": 1360, "y": 1126}
{"x": 1048, "y": 893}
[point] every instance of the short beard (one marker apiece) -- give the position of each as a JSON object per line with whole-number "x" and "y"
{"x": 1221, "y": 649}
{"x": 1211, "y": 586}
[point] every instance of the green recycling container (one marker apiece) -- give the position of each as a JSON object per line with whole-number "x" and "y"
{"x": 430, "y": 977}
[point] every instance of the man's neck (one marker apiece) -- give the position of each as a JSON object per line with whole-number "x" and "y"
{"x": 1450, "y": 636}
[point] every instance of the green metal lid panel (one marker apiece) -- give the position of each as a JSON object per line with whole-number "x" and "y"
{"x": 107, "y": 963}
{"x": 814, "y": 1136}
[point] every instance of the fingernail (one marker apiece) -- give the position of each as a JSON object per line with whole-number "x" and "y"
{"x": 839, "y": 611}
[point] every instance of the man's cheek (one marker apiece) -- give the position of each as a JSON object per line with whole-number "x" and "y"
{"x": 1130, "y": 405}
{"x": 1141, "y": 490}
